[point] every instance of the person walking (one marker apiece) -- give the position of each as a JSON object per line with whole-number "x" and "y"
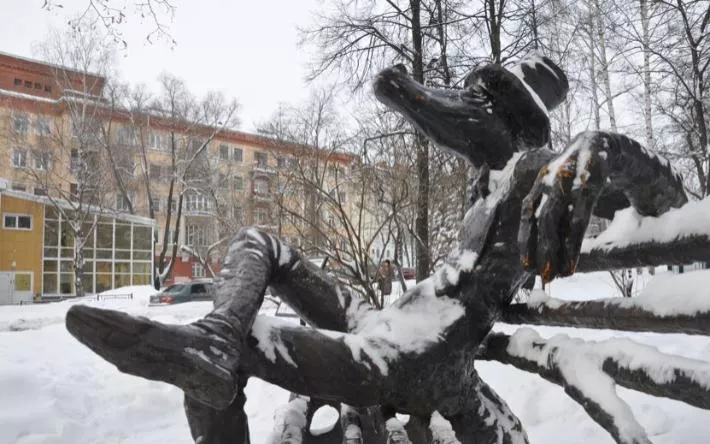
{"x": 384, "y": 280}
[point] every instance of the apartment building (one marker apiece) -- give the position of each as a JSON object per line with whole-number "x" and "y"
{"x": 64, "y": 142}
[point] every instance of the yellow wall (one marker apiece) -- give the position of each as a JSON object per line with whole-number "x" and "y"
{"x": 22, "y": 246}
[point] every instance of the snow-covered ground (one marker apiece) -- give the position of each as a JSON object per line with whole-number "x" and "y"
{"x": 54, "y": 390}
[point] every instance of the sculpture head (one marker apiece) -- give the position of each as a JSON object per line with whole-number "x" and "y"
{"x": 498, "y": 112}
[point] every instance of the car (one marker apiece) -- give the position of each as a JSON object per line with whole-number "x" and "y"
{"x": 196, "y": 290}
{"x": 409, "y": 273}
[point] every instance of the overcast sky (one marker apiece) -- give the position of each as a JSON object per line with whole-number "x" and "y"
{"x": 245, "y": 48}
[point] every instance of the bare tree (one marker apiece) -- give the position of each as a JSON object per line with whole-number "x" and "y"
{"x": 112, "y": 16}
{"x": 183, "y": 127}
{"x": 685, "y": 56}
{"x": 358, "y": 40}
{"x": 67, "y": 163}
{"x": 327, "y": 201}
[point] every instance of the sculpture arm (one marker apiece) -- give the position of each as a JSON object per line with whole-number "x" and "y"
{"x": 556, "y": 212}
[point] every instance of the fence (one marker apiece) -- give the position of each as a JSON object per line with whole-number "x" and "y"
{"x": 106, "y": 297}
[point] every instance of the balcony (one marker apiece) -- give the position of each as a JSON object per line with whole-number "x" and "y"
{"x": 261, "y": 197}
{"x": 261, "y": 168}
{"x": 198, "y": 212}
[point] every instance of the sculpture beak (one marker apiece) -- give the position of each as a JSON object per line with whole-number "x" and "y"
{"x": 456, "y": 120}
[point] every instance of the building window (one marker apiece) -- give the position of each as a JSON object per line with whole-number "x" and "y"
{"x": 38, "y": 85}
{"x": 224, "y": 152}
{"x": 40, "y": 191}
{"x": 261, "y": 159}
{"x": 156, "y": 140}
{"x": 74, "y": 161}
{"x": 342, "y": 196}
{"x": 238, "y": 214}
{"x": 155, "y": 171}
{"x": 293, "y": 163}
{"x": 238, "y": 183}
{"x": 43, "y": 127}
{"x": 174, "y": 204}
{"x": 126, "y": 136}
{"x": 18, "y": 82}
{"x": 198, "y": 271}
{"x": 281, "y": 163}
{"x": 155, "y": 201}
{"x": 197, "y": 144}
{"x": 19, "y": 186}
{"x": 21, "y": 123}
{"x": 196, "y": 235}
{"x": 261, "y": 186}
{"x": 260, "y": 216}
{"x": 19, "y": 159}
{"x": 17, "y": 221}
{"x": 42, "y": 160}
{"x": 197, "y": 202}
{"x": 47, "y": 88}
{"x": 28, "y": 84}
{"x": 122, "y": 203}
{"x": 237, "y": 155}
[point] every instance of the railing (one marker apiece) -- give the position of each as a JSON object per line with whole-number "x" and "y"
{"x": 45, "y": 299}
{"x": 106, "y": 297}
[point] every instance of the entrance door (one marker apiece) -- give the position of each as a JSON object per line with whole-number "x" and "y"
{"x": 23, "y": 287}
{"x": 16, "y": 288}
{"x": 6, "y": 288}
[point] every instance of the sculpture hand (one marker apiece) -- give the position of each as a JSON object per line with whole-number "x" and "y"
{"x": 556, "y": 212}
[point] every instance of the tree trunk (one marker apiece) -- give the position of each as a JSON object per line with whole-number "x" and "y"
{"x": 648, "y": 118}
{"x": 598, "y": 22}
{"x": 593, "y": 77}
{"x": 78, "y": 268}
{"x": 493, "y": 15}
{"x": 422, "y": 161}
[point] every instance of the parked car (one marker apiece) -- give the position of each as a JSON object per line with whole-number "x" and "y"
{"x": 197, "y": 290}
{"x": 409, "y": 273}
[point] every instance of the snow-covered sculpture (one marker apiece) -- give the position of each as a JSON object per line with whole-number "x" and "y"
{"x": 528, "y": 215}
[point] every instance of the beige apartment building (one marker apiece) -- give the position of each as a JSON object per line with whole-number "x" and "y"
{"x": 62, "y": 140}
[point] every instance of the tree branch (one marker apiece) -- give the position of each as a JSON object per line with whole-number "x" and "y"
{"x": 627, "y": 314}
{"x": 630, "y": 364}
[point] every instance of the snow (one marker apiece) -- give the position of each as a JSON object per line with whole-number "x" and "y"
{"x": 669, "y": 295}
{"x": 290, "y": 420}
{"x": 324, "y": 420}
{"x": 53, "y": 390}
{"x": 581, "y": 144}
{"x": 629, "y": 227}
{"x": 269, "y": 342}
{"x": 20, "y": 95}
{"x": 517, "y": 71}
{"x": 581, "y": 369}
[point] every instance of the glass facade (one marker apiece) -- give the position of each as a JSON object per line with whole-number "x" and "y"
{"x": 117, "y": 253}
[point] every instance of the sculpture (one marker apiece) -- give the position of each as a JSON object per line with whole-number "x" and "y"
{"x": 417, "y": 356}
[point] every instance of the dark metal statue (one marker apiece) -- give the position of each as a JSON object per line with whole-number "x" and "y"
{"x": 529, "y": 211}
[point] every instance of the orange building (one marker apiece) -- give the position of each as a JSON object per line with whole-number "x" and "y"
{"x": 38, "y": 138}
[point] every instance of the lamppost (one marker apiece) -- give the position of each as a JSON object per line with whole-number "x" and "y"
{"x": 13, "y": 267}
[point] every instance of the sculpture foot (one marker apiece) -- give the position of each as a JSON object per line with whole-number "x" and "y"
{"x": 193, "y": 357}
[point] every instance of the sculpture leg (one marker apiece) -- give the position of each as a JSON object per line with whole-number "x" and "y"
{"x": 200, "y": 358}
{"x": 203, "y": 358}
{"x": 485, "y": 417}
{"x": 212, "y": 426}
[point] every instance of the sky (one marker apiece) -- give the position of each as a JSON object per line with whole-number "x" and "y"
{"x": 245, "y": 48}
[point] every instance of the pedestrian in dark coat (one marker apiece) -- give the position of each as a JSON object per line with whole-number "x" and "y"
{"x": 385, "y": 278}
